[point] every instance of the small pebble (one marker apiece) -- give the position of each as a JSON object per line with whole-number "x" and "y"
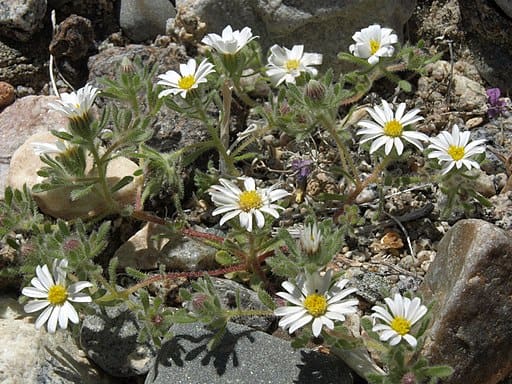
{"x": 7, "y": 94}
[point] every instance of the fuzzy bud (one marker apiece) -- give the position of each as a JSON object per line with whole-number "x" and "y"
{"x": 408, "y": 378}
{"x": 315, "y": 90}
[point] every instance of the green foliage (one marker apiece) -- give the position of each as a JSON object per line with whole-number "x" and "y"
{"x": 163, "y": 171}
{"x": 156, "y": 319}
{"x": 296, "y": 259}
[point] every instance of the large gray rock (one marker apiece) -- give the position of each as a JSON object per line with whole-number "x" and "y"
{"x": 243, "y": 356}
{"x": 20, "y": 19}
{"x": 469, "y": 282}
{"x": 31, "y": 356}
{"x": 143, "y": 20}
{"x": 109, "y": 338}
{"x": 324, "y": 26}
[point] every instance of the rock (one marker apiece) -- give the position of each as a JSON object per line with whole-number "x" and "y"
{"x": 469, "y": 283}
{"x": 505, "y": 6}
{"x": 102, "y": 13}
{"x": 481, "y": 29}
{"x": 143, "y": 20}
{"x": 26, "y": 64}
{"x": 243, "y": 356}
{"x": 469, "y": 94}
{"x": 31, "y": 356}
{"x": 188, "y": 255}
{"x": 109, "y": 338}
{"x": 20, "y": 19}
{"x": 23, "y": 170}
{"x": 73, "y": 39}
{"x": 27, "y": 116}
{"x": 7, "y": 94}
{"x": 227, "y": 291}
{"x": 142, "y": 250}
{"x": 325, "y": 28}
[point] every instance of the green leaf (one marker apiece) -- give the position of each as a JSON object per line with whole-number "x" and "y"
{"x": 405, "y": 85}
{"x": 62, "y": 135}
{"x": 122, "y": 183}
{"x": 79, "y": 193}
{"x": 266, "y": 299}
{"x": 437, "y": 371}
{"x": 224, "y": 258}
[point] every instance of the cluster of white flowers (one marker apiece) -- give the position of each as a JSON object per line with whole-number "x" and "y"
{"x": 388, "y": 129}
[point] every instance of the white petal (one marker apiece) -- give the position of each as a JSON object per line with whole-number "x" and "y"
{"x": 34, "y": 292}
{"x": 35, "y": 305}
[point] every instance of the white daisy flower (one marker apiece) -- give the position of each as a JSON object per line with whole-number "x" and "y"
{"x": 52, "y": 295}
{"x": 48, "y": 148}
{"x": 373, "y": 42}
{"x": 313, "y": 299}
{"x": 76, "y": 105}
{"x": 310, "y": 239}
{"x": 389, "y": 129}
{"x": 455, "y": 149}
{"x": 285, "y": 65}
{"x": 232, "y": 202}
{"x": 230, "y": 42}
{"x": 401, "y": 314}
{"x": 189, "y": 78}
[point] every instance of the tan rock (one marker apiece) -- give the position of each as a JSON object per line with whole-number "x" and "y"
{"x": 7, "y": 94}
{"x": 142, "y": 250}
{"x": 469, "y": 282}
{"x": 27, "y": 116}
{"x": 23, "y": 170}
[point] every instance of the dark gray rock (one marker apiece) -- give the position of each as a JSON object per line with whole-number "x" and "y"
{"x": 109, "y": 338}
{"x": 143, "y": 20}
{"x": 506, "y": 6}
{"x": 469, "y": 282}
{"x": 243, "y": 356}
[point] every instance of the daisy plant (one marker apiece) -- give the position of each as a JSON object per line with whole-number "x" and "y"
{"x": 399, "y": 327}
{"x": 373, "y": 42}
{"x": 459, "y": 158}
{"x": 188, "y": 79}
{"x": 286, "y": 65}
{"x": 229, "y": 42}
{"x": 388, "y": 128}
{"x": 455, "y": 150}
{"x": 53, "y": 295}
{"x": 315, "y": 299}
{"x": 248, "y": 204}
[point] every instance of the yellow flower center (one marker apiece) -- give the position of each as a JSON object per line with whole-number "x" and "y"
{"x": 250, "y": 200}
{"x": 292, "y": 65}
{"x": 456, "y": 152}
{"x": 57, "y": 294}
{"x": 186, "y": 82}
{"x": 374, "y": 46}
{"x": 315, "y": 304}
{"x": 393, "y": 128}
{"x": 401, "y": 325}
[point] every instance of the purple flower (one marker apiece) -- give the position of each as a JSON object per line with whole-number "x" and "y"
{"x": 497, "y": 104}
{"x": 302, "y": 167}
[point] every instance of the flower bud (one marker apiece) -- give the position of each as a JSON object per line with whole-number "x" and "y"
{"x": 315, "y": 90}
